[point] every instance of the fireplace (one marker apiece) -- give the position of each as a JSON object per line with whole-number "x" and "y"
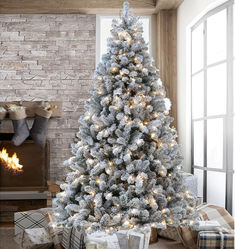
{"x": 26, "y": 188}
{"x": 30, "y": 172}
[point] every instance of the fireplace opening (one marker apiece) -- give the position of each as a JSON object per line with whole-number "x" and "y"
{"x": 24, "y": 167}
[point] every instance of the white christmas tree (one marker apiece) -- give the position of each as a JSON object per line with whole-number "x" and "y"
{"x": 125, "y": 172}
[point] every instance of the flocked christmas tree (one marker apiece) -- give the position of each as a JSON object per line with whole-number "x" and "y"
{"x": 125, "y": 171}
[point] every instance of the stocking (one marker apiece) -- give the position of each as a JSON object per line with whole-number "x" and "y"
{"x": 3, "y": 113}
{"x": 38, "y": 131}
{"x": 21, "y": 129}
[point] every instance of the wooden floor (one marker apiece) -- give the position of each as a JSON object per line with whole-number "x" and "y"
{"x": 7, "y": 241}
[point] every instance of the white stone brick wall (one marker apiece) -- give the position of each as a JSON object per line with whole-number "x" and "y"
{"x": 49, "y": 57}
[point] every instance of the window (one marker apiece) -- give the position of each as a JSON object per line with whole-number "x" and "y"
{"x": 103, "y": 24}
{"x": 213, "y": 105}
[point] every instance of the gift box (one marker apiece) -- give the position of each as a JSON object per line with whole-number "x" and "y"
{"x": 55, "y": 232}
{"x": 101, "y": 240}
{"x": 35, "y": 238}
{"x": 53, "y": 189}
{"x": 31, "y": 219}
{"x": 191, "y": 182}
{"x": 133, "y": 239}
{"x": 215, "y": 240}
{"x": 73, "y": 239}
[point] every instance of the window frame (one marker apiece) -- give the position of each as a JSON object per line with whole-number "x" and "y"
{"x": 228, "y": 116}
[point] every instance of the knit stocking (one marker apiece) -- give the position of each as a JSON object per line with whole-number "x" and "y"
{"x": 21, "y": 129}
{"x": 3, "y": 113}
{"x": 38, "y": 131}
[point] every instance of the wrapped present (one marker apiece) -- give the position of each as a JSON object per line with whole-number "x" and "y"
{"x": 35, "y": 238}
{"x": 54, "y": 231}
{"x": 191, "y": 182}
{"x": 207, "y": 212}
{"x": 73, "y": 239}
{"x": 53, "y": 189}
{"x": 213, "y": 239}
{"x": 31, "y": 219}
{"x": 101, "y": 240}
{"x": 133, "y": 239}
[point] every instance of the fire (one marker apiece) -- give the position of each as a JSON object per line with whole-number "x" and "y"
{"x": 11, "y": 163}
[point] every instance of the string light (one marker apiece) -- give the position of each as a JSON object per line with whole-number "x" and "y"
{"x": 87, "y": 117}
{"x": 155, "y": 115}
{"x": 131, "y": 178}
{"x": 114, "y": 69}
{"x": 168, "y": 197}
{"x": 166, "y": 112}
{"x": 172, "y": 144}
{"x": 191, "y": 222}
{"x": 153, "y": 135}
{"x": 134, "y": 210}
{"x": 146, "y": 122}
{"x": 159, "y": 144}
{"x": 136, "y": 60}
{"x": 99, "y": 91}
{"x": 98, "y": 180}
{"x": 97, "y": 127}
{"x": 155, "y": 191}
{"x": 99, "y": 78}
{"x": 108, "y": 171}
{"x": 111, "y": 163}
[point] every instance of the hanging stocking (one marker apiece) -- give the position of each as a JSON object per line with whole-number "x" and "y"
{"x": 38, "y": 131}
{"x": 3, "y": 113}
{"x": 18, "y": 116}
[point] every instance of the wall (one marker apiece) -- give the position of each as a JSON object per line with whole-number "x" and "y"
{"x": 188, "y": 13}
{"x": 49, "y": 57}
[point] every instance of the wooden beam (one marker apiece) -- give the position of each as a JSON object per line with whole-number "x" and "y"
{"x": 164, "y": 50}
{"x": 74, "y": 6}
{"x": 167, "y": 4}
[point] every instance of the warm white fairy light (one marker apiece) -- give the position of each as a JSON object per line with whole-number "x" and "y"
{"x": 114, "y": 69}
{"x": 99, "y": 78}
{"x": 109, "y": 195}
{"x": 155, "y": 115}
{"x": 134, "y": 211}
{"x": 87, "y": 117}
{"x": 99, "y": 91}
{"x": 96, "y": 127}
{"x": 153, "y": 135}
{"x": 111, "y": 163}
{"x": 155, "y": 191}
{"x": 191, "y": 222}
{"x": 131, "y": 178}
{"x": 138, "y": 141}
{"x": 159, "y": 144}
{"x": 166, "y": 112}
{"x": 108, "y": 171}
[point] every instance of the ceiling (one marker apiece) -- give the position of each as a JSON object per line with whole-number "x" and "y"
{"x": 84, "y": 6}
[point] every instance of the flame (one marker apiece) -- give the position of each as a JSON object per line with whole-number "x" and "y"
{"x": 11, "y": 163}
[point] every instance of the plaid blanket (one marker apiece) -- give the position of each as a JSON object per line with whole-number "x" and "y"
{"x": 215, "y": 240}
{"x": 212, "y": 212}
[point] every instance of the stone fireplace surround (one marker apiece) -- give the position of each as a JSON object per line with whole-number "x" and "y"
{"x": 51, "y": 58}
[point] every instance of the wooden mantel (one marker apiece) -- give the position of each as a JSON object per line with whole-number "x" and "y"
{"x": 83, "y": 6}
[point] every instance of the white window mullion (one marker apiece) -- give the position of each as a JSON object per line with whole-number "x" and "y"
{"x": 229, "y": 128}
